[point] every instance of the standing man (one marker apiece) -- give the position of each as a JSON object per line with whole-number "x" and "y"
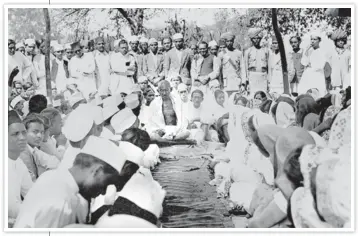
{"x": 177, "y": 60}
{"x": 30, "y": 45}
{"x": 232, "y": 63}
{"x": 295, "y": 56}
{"x": 59, "y": 70}
{"x": 123, "y": 67}
{"x": 144, "y": 51}
{"x": 102, "y": 66}
{"x": 19, "y": 179}
{"x": 256, "y": 59}
{"x": 153, "y": 63}
{"x": 205, "y": 69}
{"x": 39, "y": 65}
{"x": 339, "y": 61}
{"x": 18, "y": 61}
{"x": 134, "y": 45}
{"x": 275, "y": 75}
{"x": 69, "y": 52}
{"x": 82, "y": 68}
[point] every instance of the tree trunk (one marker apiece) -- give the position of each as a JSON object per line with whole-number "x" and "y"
{"x": 47, "y": 55}
{"x": 286, "y": 87}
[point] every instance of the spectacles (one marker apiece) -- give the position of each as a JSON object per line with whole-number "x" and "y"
{"x": 78, "y": 51}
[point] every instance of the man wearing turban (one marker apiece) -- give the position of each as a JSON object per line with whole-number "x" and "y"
{"x": 232, "y": 64}
{"x": 153, "y": 63}
{"x": 339, "y": 61}
{"x": 256, "y": 63}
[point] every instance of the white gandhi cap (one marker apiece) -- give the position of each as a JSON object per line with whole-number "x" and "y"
{"x": 123, "y": 120}
{"x": 177, "y": 36}
{"x": 106, "y": 151}
{"x": 16, "y": 100}
{"x": 132, "y": 152}
{"x": 132, "y": 101}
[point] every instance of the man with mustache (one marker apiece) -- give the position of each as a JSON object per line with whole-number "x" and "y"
{"x": 37, "y": 161}
{"x": 102, "y": 66}
{"x": 18, "y": 176}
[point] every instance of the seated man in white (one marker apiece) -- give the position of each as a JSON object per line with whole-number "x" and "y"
{"x": 167, "y": 121}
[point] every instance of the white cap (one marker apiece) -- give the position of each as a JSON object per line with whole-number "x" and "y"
{"x": 133, "y": 153}
{"x": 142, "y": 78}
{"x": 123, "y": 120}
{"x": 68, "y": 46}
{"x": 177, "y": 36}
{"x": 97, "y": 113}
{"x": 132, "y": 101}
{"x": 58, "y": 47}
{"x": 30, "y": 42}
{"x": 182, "y": 87}
{"x": 76, "y": 97}
{"x": 15, "y": 101}
{"x": 97, "y": 100}
{"x": 109, "y": 111}
{"x": 20, "y": 45}
{"x": 133, "y": 38}
{"x": 145, "y": 192}
{"x": 114, "y": 100}
{"x": 152, "y": 40}
{"x": 143, "y": 40}
{"x": 78, "y": 124}
{"x": 106, "y": 151}
{"x": 213, "y": 44}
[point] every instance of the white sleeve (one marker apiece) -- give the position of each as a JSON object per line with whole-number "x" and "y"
{"x": 26, "y": 181}
{"x": 280, "y": 201}
{"x": 45, "y": 160}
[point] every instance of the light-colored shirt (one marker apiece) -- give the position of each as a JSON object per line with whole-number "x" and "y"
{"x": 19, "y": 184}
{"x": 24, "y": 65}
{"x": 50, "y": 148}
{"x": 69, "y": 157}
{"x": 103, "y": 70}
{"x": 52, "y": 202}
{"x": 85, "y": 64}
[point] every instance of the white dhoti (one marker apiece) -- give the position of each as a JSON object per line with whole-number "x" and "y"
{"x": 276, "y": 83}
{"x": 312, "y": 78}
{"x": 258, "y": 82}
{"x": 87, "y": 85}
{"x": 120, "y": 83}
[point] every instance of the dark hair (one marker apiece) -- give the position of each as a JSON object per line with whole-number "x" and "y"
{"x": 10, "y": 41}
{"x": 33, "y": 118}
{"x": 238, "y": 98}
{"x": 305, "y": 106}
{"x": 292, "y": 168}
{"x": 122, "y": 41}
{"x": 197, "y": 91}
{"x": 128, "y": 170}
{"x": 137, "y": 137}
{"x": 265, "y": 106}
{"x": 83, "y": 161}
{"x": 263, "y": 95}
{"x": 297, "y": 37}
{"x": 37, "y": 103}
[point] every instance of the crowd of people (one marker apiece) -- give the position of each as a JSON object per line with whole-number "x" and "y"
{"x": 83, "y": 158}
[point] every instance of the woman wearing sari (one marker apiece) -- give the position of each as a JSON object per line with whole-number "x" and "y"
{"x": 269, "y": 206}
{"x": 322, "y": 199}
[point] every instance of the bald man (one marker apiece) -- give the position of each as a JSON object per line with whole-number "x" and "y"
{"x": 167, "y": 120}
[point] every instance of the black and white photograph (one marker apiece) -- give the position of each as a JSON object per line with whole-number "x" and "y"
{"x": 132, "y": 118}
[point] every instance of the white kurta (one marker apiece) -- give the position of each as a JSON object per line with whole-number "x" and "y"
{"x": 61, "y": 80}
{"x": 313, "y": 76}
{"x": 339, "y": 62}
{"x": 118, "y": 81}
{"x": 103, "y": 71}
{"x": 83, "y": 70}
{"x": 23, "y": 64}
{"x": 52, "y": 202}
{"x": 19, "y": 184}
{"x": 39, "y": 65}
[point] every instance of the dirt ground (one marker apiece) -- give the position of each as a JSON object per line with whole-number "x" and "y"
{"x": 190, "y": 201}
